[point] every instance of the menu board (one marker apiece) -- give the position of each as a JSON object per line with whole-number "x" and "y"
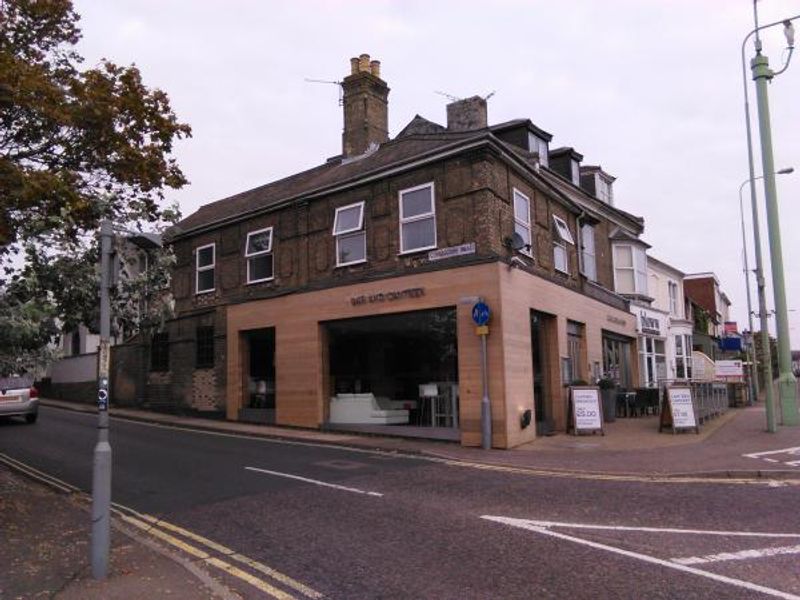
{"x": 587, "y": 414}
{"x": 680, "y": 411}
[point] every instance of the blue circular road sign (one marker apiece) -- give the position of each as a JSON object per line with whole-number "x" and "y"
{"x": 480, "y": 314}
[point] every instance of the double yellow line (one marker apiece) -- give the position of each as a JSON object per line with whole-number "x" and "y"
{"x": 202, "y": 549}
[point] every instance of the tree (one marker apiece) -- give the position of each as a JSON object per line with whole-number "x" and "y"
{"x": 75, "y": 145}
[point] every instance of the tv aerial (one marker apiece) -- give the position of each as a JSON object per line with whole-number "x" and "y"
{"x": 336, "y": 83}
{"x": 448, "y": 96}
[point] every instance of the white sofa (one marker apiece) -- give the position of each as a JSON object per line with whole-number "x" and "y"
{"x": 366, "y": 409}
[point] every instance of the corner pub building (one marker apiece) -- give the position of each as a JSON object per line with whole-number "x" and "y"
{"x": 341, "y": 297}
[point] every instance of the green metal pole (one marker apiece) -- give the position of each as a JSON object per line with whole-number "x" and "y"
{"x": 766, "y": 353}
{"x": 787, "y": 384}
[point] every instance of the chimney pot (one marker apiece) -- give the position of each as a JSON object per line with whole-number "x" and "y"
{"x": 375, "y": 68}
{"x": 363, "y": 62}
{"x": 354, "y": 65}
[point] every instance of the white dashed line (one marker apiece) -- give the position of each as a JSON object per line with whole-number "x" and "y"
{"x": 315, "y": 482}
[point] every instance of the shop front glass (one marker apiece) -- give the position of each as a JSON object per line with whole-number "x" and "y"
{"x": 616, "y": 359}
{"x": 394, "y": 370}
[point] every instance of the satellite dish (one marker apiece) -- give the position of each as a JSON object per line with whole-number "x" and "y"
{"x": 517, "y": 242}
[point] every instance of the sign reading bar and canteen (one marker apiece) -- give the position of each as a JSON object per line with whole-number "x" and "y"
{"x": 679, "y": 412}
{"x": 452, "y": 251}
{"x": 585, "y": 408}
{"x": 390, "y": 296}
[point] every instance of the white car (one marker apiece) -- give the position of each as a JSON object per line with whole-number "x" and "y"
{"x": 18, "y": 398}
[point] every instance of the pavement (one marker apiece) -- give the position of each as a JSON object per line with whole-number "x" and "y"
{"x": 630, "y": 446}
{"x": 45, "y": 548}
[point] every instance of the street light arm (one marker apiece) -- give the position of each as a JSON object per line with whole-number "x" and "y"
{"x": 786, "y": 65}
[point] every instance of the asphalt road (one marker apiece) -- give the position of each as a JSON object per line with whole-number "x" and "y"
{"x": 407, "y": 527}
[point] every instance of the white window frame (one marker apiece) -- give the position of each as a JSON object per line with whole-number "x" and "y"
{"x": 672, "y": 292}
{"x": 575, "y": 172}
{"x": 560, "y": 240}
{"x": 352, "y": 232}
{"x": 422, "y": 217}
{"x": 248, "y": 255}
{"x": 541, "y": 149}
{"x": 563, "y": 230}
{"x": 518, "y": 221}
{"x": 198, "y": 269}
{"x": 633, "y": 249}
{"x": 585, "y": 253}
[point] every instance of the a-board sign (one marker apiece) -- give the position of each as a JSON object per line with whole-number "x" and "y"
{"x": 586, "y": 413}
{"x": 679, "y": 411}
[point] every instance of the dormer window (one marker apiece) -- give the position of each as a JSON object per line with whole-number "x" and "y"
{"x": 575, "y": 171}
{"x": 603, "y": 189}
{"x": 538, "y": 145}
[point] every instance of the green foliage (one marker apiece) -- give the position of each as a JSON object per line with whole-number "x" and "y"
{"x": 69, "y": 137}
{"x": 77, "y": 145}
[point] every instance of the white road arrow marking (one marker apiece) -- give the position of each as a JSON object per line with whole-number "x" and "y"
{"x": 542, "y": 528}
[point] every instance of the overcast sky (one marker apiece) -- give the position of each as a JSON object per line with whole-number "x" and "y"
{"x": 651, "y": 90}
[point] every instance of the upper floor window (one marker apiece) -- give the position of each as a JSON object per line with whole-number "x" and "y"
{"x": 673, "y": 297}
{"x": 538, "y": 145}
{"x": 258, "y": 252}
{"x": 561, "y": 238}
{"x": 351, "y": 239}
{"x": 204, "y": 355}
{"x": 417, "y": 219}
{"x": 630, "y": 270}
{"x": 588, "y": 256}
{"x": 205, "y": 261}
{"x": 522, "y": 220}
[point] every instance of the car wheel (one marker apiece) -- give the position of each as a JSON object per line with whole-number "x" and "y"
{"x": 31, "y": 419}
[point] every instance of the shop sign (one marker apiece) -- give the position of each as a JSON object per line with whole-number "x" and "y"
{"x": 452, "y": 251}
{"x": 391, "y": 296}
{"x": 728, "y": 368}
{"x": 680, "y": 411}
{"x": 615, "y": 320}
{"x": 650, "y": 325}
{"x": 584, "y": 406}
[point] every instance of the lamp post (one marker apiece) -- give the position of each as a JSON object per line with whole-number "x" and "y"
{"x": 762, "y": 74}
{"x": 753, "y": 360}
{"x": 101, "y": 464}
{"x": 759, "y": 270}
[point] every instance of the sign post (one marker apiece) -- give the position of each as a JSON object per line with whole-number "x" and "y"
{"x": 481, "y": 315}
{"x": 101, "y": 466}
{"x": 585, "y": 413}
{"x": 679, "y": 411}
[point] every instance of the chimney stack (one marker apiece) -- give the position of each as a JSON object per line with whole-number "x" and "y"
{"x": 467, "y": 114}
{"x": 366, "y": 107}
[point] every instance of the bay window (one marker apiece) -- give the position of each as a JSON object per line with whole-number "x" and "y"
{"x": 561, "y": 237}
{"x": 630, "y": 270}
{"x": 588, "y": 256}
